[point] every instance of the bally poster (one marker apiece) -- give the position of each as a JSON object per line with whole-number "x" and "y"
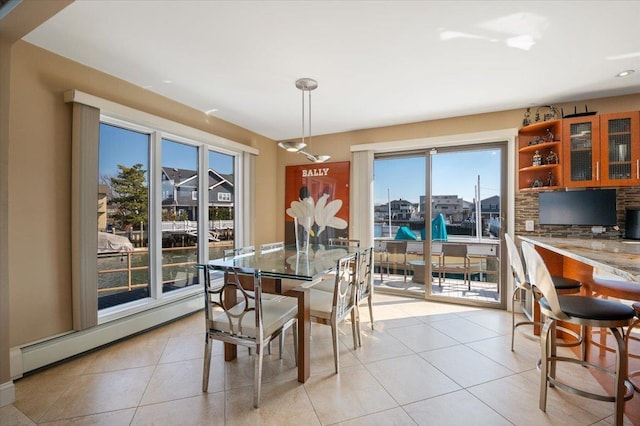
{"x": 320, "y": 192}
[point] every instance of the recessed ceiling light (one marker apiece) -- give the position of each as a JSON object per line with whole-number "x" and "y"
{"x": 625, "y": 73}
{"x": 167, "y": 81}
{"x": 211, "y": 111}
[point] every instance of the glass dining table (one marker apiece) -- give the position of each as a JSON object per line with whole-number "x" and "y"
{"x": 285, "y": 271}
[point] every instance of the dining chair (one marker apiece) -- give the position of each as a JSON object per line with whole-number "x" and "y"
{"x": 248, "y": 250}
{"x": 454, "y": 258}
{"x": 388, "y": 258}
{"x": 268, "y": 247}
{"x": 583, "y": 311}
{"x": 561, "y": 284}
{"x": 333, "y": 308}
{"x": 241, "y": 317}
{"x": 364, "y": 277}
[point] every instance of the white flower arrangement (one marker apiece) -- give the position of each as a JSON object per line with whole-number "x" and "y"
{"x": 321, "y": 213}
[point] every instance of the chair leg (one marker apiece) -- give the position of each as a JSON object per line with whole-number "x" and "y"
{"x": 358, "y": 332}
{"x": 370, "y": 302}
{"x": 405, "y": 267}
{"x": 513, "y": 316}
{"x": 355, "y": 328}
{"x": 544, "y": 363}
{"x": 621, "y": 375}
{"x": 207, "y": 364}
{"x": 334, "y": 338}
{"x": 553, "y": 350}
{"x": 257, "y": 376}
{"x": 294, "y": 329}
{"x": 583, "y": 344}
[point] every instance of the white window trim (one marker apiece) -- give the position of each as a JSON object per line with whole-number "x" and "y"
{"x": 362, "y": 176}
{"x": 142, "y": 118}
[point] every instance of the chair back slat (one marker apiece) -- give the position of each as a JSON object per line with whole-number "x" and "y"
{"x": 241, "y": 307}
{"x": 344, "y": 292}
{"x": 364, "y": 273}
{"x": 517, "y": 269}
{"x": 541, "y": 280}
{"x": 454, "y": 250}
{"x": 396, "y": 247}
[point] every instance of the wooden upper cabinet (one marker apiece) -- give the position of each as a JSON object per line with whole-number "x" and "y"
{"x": 602, "y": 150}
{"x": 581, "y": 150}
{"x": 620, "y": 149}
{"x": 587, "y": 151}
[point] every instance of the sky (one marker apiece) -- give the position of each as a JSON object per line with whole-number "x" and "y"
{"x": 124, "y": 146}
{"x": 454, "y": 173}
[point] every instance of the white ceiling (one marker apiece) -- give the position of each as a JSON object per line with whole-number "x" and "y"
{"x": 377, "y": 63}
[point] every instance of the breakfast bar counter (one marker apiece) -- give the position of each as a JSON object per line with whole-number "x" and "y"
{"x": 564, "y": 255}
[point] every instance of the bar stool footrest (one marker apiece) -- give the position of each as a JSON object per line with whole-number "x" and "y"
{"x": 571, "y": 389}
{"x": 578, "y": 338}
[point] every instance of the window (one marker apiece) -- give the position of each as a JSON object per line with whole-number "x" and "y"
{"x": 179, "y": 216}
{"x": 127, "y": 197}
{"x": 123, "y": 215}
{"x": 221, "y": 214}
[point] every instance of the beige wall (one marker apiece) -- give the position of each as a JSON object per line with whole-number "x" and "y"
{"x": 338, "y": 145}
{"x": 38, "y": 153}
{"x": 13, "y": 26}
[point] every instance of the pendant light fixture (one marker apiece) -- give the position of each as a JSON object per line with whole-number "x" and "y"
{"x": 305, "y": 85}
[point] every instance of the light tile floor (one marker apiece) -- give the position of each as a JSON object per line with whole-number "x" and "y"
{"x": 425, "y": 363}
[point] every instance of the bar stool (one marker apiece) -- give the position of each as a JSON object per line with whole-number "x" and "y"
{"x": 563, "y": 285}
{"x": 636, "y": 373}
{"x": 625, "y": 290}
{"x": 583, "y": 311}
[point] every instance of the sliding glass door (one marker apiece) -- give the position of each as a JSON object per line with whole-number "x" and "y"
{"x": 399, "y": 221}
{"x": 438, "y": 217}
{"x": 466, "y": 211}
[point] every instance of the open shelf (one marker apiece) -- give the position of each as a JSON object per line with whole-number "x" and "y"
{"x": 541, "y": 138}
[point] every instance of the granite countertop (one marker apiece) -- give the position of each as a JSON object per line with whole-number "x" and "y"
{"x": 619, "y": 257}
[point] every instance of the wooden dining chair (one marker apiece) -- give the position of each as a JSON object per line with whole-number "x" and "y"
{"x": 454, "y": 259}
{"x": 333, "y": 308}
{"x": 241, "y": 317}
{"x": 394, "y": 254}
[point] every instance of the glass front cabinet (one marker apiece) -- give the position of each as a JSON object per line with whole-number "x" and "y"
{"x": 602, "y": 150}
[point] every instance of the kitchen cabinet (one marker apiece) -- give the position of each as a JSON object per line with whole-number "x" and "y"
{"x": 539, "y": 156}
{"x": 601, "y": 150}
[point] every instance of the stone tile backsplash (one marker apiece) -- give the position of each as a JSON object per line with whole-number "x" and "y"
{"x": 526, "y": 208}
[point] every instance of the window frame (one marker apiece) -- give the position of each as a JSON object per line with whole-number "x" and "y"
{"x": 84, "y": 176}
